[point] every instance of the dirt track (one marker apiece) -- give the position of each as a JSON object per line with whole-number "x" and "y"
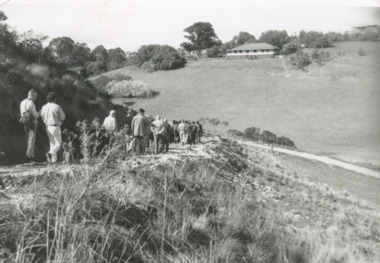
{"x": 322, "y": 159}
{"x": 358, "y": 181}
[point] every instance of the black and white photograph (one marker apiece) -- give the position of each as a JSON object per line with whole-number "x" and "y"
{"x": 189, "y": 131}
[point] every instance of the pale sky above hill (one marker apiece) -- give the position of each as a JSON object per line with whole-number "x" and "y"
{"x": 131, "y": 23}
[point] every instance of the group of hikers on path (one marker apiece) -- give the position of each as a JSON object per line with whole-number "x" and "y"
{"x": 139, "y": 132}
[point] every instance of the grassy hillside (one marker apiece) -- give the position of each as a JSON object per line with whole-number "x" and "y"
{"x": 332, "y": 109}
{"x": 221, "y": 202}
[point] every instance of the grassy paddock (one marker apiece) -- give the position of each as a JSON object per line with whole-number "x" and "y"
{"x": 332, "y": 109}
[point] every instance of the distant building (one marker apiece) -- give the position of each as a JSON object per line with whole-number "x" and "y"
{"x": 252, "y": 50}
{"x": 358, "y": 30}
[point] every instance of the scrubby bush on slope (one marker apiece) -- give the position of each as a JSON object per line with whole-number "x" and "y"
{"x": 122, "y": 86}
{"x": 255, "y": 134}
{"x": 129, "y": 89}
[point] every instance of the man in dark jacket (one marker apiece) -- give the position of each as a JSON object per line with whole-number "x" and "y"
{"x": 127, "y": 121}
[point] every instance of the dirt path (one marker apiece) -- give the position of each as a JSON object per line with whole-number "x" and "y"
{"x": 362, "y": 186}
{"x": 322, "y": 159}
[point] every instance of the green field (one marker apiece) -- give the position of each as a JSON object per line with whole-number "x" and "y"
{"x": 333, "y": 109}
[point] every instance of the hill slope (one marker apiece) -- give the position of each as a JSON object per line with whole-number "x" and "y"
{"x": 221, "y": 202}
{"x": 332, "y": 109}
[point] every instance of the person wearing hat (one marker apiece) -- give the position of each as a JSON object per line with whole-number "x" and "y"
{"x": 140, "y": 127}
{"x": 110, "y": 122}
{"x": 127, "y": 109}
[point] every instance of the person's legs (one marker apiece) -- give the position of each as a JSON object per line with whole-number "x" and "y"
{"x": 182, "y": 137}
{"x": 167, "y": 144}
{"x": 55, "y": 139}
{"x": 140, "y": 146}
{"x": 31, "y": 140}
{"x": 160, "y": 142}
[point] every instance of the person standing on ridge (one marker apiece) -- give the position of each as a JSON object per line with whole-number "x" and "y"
{"x": 52, "y": 115}
{"x": 182, "y": 128}
{"x": 127, "y": 121}
{"x": 110, "y": 122}
{"x": 27, "y": 106}
{"x": 140, "y": 128}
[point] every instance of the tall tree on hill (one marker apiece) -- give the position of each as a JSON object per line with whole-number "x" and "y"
{"x": 62, "y": 48}
{"x": 116, "y": 58}
{"x": 3, "y": 17}
{"x": 7, "y": 38}
{"x": 201, "y": 36}
{"x": 241, "y": 39}
{"x": 100, "y": 54}
{"x": 244, "y": 38}
{"x": 31, "y": 44}
{"x": 80, "y": 55}
{"x": 275, "y": 37}
{"x": 99, "y": 64}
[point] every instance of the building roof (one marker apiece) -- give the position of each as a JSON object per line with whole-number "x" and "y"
{"x": 255, "y": 46}
{"x": 363, "y": 27}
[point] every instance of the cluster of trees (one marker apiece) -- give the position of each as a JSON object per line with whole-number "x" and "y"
{"x": 201, "y": 36}
{"x": 80, "y": 58}
{"x": 89, "y": 63}
{"x": 255, "y": 134}
{"x": 157, "y": 57}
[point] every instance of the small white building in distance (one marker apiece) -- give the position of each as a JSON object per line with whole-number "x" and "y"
{"x": 252, "y": 50}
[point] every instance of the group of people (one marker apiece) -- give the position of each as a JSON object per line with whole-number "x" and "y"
{"x": 52, "y": 115}
{"x": 148, "y": 132}
{"x": 139, "y": 131}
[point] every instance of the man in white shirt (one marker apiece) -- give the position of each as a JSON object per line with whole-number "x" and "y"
{"x": 53, "y": 116}
{"x": 183, "y": 128}
{"x": 27, "y": 105}
{"x": 110, "y": 122}
{"x": 158, "y": 129}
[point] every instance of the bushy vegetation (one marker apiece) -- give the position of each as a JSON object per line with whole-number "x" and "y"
{"x": 129, "y": 89}
{"x": 157, "y": 57}
{"x": 214, "y": 52}
{"x": 256, "y": 134}
{"x": 300, "y": 60}
{"x": 122, "y": 86}
{"x": 28, "y": 66}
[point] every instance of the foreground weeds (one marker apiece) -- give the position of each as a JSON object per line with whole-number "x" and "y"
{"x": 194, "y": 210}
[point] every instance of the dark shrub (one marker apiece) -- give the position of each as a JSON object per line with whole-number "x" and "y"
{"x": 252, "y": 133}
{"x": 157, "y": 57}
{"x": 235, "y": 133}
{"x": 361, "y": 52}
{"x": 214, "y": 52}
{"x": 285, "y": 141}
{"x": 268, "y": 137}
{"x": 214, "y": 121}
{"x": 300, "y": 59}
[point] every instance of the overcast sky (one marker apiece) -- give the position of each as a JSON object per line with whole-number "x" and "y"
{"x": 131, "y": 23}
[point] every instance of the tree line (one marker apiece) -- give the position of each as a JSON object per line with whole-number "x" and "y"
{"x": 201, "y": 36}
